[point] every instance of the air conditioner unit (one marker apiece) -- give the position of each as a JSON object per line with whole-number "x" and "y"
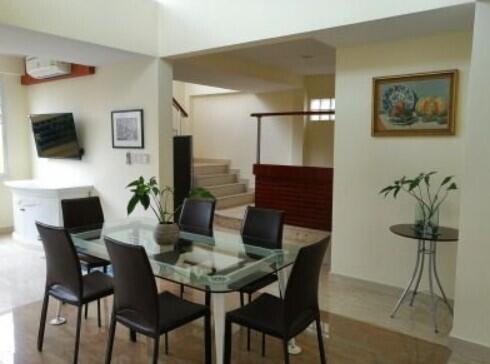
{"x": 42, "y": 68}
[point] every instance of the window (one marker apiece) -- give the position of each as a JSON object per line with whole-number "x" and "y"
{"x": 322, "y": 105}
{"x": 2, "y": 141}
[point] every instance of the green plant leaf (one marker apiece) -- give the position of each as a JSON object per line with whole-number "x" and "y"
{"x": 452, "y": 186}
{"x": 145, "y": 201}
{"x": 132, "y": 203}
{"x": 446, "y": 180}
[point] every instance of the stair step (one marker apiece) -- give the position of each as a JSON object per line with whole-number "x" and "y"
{"x": 215, "y": 179}
{"x": 227, "y": 189}
{"x": 201, "y": 169}
{"x": 235, "y": 200}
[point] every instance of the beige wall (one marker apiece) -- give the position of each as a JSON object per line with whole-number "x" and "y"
{"x": 222, "y": 128}
{"x": 362, "y": 245}
{"x": 318, "y": 137}
{"x": 17, "y": 129}
{"x": 190, "y": 26}
{"x": 141, "y": 84}
{"x": 472, "y": 306}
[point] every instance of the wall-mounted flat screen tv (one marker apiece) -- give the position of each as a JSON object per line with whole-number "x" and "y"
{"x": 55, "y": 136}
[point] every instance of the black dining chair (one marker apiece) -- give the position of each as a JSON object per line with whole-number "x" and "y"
{"x": 64, "y": 279}
{"x": 139, "y": 306}
{"x": 286, "y": 318}
{"x": 197, "y": 216}
{"x": 263, "y": 228}
{"x": 84, "y": 214}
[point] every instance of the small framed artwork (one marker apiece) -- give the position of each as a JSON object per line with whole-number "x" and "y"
{"x": 127, "y": 129}
{"x": 419, "y": 104}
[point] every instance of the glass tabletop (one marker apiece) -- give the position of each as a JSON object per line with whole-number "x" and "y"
{"x": 222, "y": 263}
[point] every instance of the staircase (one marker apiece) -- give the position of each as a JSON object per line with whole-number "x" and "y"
{"x": 216, "y": 176}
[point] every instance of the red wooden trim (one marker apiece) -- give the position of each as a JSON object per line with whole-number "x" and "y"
{"x": 289, "y": 113}
{"x": 77, "y": 70}
{"x": 179, "y": 107}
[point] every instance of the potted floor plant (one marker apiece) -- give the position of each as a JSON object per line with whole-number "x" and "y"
{"x": 159, "y": 199}
{"x": 428, "y": 199}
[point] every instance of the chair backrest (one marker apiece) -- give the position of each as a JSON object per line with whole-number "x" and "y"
{"x": 135, "y": 290}
{"x": 62, "y": 264}
{"x": 81, "y": 214}
{"x": 302, "y": 288}
{"x": 197, "y": 216}
{"x": 263, "y": 227}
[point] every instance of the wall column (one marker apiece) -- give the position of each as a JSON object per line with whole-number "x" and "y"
{"x": 472, "y": 296}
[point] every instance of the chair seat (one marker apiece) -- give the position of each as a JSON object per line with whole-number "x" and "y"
{"x": 259, "y": 284}
{"x": 95, "y": 285}
{"x": 266, "y": 314}
{"x": 91, "y": 261}
{"x": 174, "y": 312}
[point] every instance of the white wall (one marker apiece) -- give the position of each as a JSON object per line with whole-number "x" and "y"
{"x": 222, "y": 128}
{"x": 126, "y": 24}
{"x": 362, "y": 245}
{"x": 191, "y": 26}
{"x": 91, "y": 99}
{"x": 472, "y": 319}
{"x": 16, "y": 127}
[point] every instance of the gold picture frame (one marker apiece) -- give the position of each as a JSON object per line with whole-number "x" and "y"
{"x": 420, "y": 104}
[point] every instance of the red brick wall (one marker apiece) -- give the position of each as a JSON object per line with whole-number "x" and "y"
{"x": 303, "y": 193}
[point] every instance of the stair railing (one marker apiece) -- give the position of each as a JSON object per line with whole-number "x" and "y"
{"x": 182, "y": 113}
{"x": 260, "y": 115}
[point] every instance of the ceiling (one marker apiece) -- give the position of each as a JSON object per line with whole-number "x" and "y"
{"x": 301, "y": 56}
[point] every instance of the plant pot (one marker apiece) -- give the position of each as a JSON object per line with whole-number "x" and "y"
{"x": 426, "y": 221}
{"x": 166, "y": 234}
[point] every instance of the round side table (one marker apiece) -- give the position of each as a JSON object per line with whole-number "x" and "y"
{"x": 427, "y": 245}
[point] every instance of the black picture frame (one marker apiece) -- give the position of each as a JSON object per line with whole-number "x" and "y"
{"x": 131, "y": 133}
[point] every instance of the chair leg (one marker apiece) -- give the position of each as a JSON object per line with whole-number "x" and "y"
{"x": 207, "y": 299}
{"x": 320, "y": 340}
{"x": 77, "y": 337}
{"x": 42, "y": 322}
{"x": 263, "y": 344}
{"x": 228, "y": 342}
{"x": 181, "y": 291}
{"x": 86, "y": 305}
{"x": 285, "y": 344}
{"x": 98, "y": 313}
{"x": 155, "y": 350}
{"x": 132, "y": 335}
{"x": 104, "y": 269}
{"x": 242, "y": 300}
{"x": 110, "y": 342}
{"x": 248, "y": 329}
{"x": 166, "y": 343}
{"x": 207, "y": 338}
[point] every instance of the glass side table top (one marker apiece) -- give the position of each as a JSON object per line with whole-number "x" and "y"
{"x": 222, "y": 263}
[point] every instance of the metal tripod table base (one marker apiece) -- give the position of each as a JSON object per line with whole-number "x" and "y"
{"x": 425, "y": 249}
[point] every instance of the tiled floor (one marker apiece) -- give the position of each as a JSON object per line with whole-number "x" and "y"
{"x": 360, "y": 330}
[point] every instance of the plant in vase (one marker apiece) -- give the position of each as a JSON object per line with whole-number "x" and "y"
{"x": 428, "y": 200}
{"x": 159, "y": 199}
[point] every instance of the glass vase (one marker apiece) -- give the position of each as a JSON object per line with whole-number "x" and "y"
{"x": 426, "y": 220}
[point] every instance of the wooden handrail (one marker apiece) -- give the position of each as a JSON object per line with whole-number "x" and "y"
{"x": 291, "y": 113}
{"x": 179, "y": 107}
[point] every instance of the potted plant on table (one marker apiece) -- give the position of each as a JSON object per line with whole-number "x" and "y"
{"x": 428, "y": 201}
{"x": 159, "y": 199}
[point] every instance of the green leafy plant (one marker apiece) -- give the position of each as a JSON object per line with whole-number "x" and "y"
{"x": 421, "y": 190}
{"x": 150, "y": 195}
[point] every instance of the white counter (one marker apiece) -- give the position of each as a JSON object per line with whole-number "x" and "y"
{"x": 35, "y": 200}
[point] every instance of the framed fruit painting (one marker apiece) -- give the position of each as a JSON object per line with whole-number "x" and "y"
{"x": 415, "y": 105}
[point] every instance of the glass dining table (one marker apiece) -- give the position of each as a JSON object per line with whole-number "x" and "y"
{"x": 217, "y": 265}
